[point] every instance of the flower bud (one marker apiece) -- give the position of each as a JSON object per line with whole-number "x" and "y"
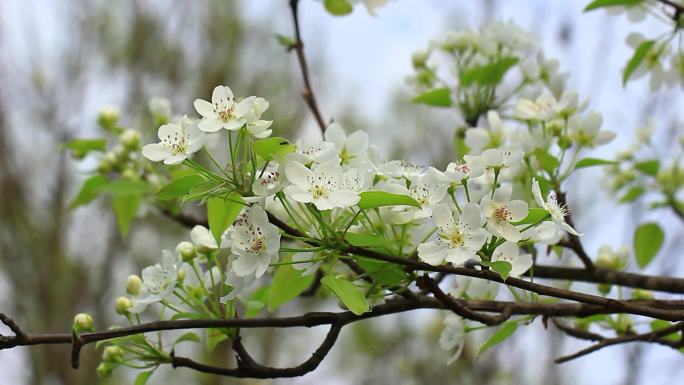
{"x": 122, "y": 304}
{"x": 83, "y": 322}
{"x": 108, "y": 117}
{"x": 623, "y": 324}
{"x": 120, "y": 152}
{"x": 104, "y": 370}
{"x": 130, "y": 174}
{"x": 112, "y": 354}
{"x": 133, "y": 284}
{"x": 642, "y": 294}
{"x": 110, "y": 158}
{"x": 604, "y": 288}
{"x": 186, "y": 250}
{"x": 104, "y": 166}
{"x": 419, "y": 59}
{"x": 159, "y": 107}
{"x": 181, "y": 275}
{"x": 130, "y": 138}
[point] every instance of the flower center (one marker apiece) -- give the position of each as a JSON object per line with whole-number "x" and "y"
{"x": 177, "y": 142}
{"x": 226, "y": 114}
{"x": 502, "y": 214}
{"x": 319, "y": 192}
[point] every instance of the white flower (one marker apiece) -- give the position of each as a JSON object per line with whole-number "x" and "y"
{"x": 501, "y": 211}
{"x": 480, "y": 138}
{"x": 320, "y": 185}
{"x": 428, "y": 189}
{"x": 269, "y": 182}
{"x": 557, "y": 211}
{"x": 543, "y": 108}
{"x": 547, "y": 233}
{"x": 239, "y": 285}
{"x": 349, "y": 147}
{"x": 159, "y": 107}
{"x": 509, "y": 252}
{"x": 323, "y": 152}
{"x": 459, "y": 238}
{"x": 223, "y": 111}
{"x": 502, "y": 157}
{"x": 158, "y": 282}
{"x": 255, "y": 241}
{"x": 257, "y": 127}
{"x": 400, "y": 169}
{"x": 203, "y": 239}
{"x": 177, "y": 142}
{"x": 473, "y": 167}
{"x": 586, "y": 132}
{"x": 474, "y": 288}
{"x": 453, "y": 336}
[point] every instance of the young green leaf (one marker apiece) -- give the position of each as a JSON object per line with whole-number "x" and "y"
{"x": 632, "y": 194}
{"x": 611, "y": 3}
{"x": 90, "y": 190}
{"x": 215, "y": 337}
{"x": 489, "y": 74}
{"x": 364, "y": 240}
{"x": 221, "y": 213}
{"x": 288, "y": 283}
{"x": 534, "y": 215}
{"x": 548, "y": 162}
{"x": 257, "y": 301}
{"x": 125, "y": 208}
{"x": 81, "y": 147}
{"x": 383, "y": 273}
{"x": 348, "y": 293}
{"x": 589, "y": 162}
{"x": 639, "y": 55}
{"x": 660, "y": 324}
{"x": 269, "y": 148}
{"x": 501, "y": 267}
{"x": 373, "y": 199}
{"x": 125, "y": 187}
{"x": 438, "y": 97}
{"x": 648, "y": 167}
{"x": 505, "y": 331}
{"x": 338, "y": 7}
{"x": 286, "y": 41}
{"x": 142, "y": 378}
{"x": 648, "y": 239}
{"x": 179, "y": 187}
{"x": 187, "y": 337}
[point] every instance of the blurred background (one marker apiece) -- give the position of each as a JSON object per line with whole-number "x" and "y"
{"x": 62, "y": 60}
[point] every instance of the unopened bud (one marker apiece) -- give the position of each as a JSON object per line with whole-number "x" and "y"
{"x": 642, "y": 294}
{"x": 130, "y": 138}
{"x": 83, "y": 322}
{"x": 104, "y": 370}
{"x": 186, "y": 250}
{"x": 130, "y": 174}
{"x": 181, "y": 275}
{"x": 133, "y": 284}
{"x": 122, "y": 304}
{"x": 419, "y": 59}
{"x": 112, "y": 354}
{"x": 108, "y": 117}
{"x": 624, "y": 324}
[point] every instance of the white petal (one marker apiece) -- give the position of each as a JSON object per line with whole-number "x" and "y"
{"x": 221, "y": 95}
{"x": 471, "y": 216}
{"x": 344, "y": 198}
{"x": 210, "y": 125}
{"x": 204, "y": 108}
{"x": 298, "y": 194}
{"x": 298, "y": 174}
{"x": 244, "y": 106}
{"x": 245, "y": 265}
{"x": 170, "y": 131}
{"x": 431, "y": 253}
{"x": 442, "y": 215}
{"x": 503, "y": 194}
{"x": 518, "y": 210}
{"x": 335, "y": 134}
{"x": 536, "y": 191}
{"x": 156, "y": 152}
{"x": 175, "y": 159}
{"x": 357, "y": 143}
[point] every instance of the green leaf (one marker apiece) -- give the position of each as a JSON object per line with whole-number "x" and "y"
{"x": 660, "y": 324}
{"x": 648, "y": 239}
{"x": 534, "y": 215}
{"x": 221, "y": 213}
{"x": 125, "y": 208}
{"x": 364, "y": 240}
{"x": 187, "y": 337}
{"x": 639, "y": 55}
{"x": 505, "y": 331}
{"x": 143, "y": 377}
{"x": 489, "y": 74}
{"x": 648, "y": 167}
{"x": 81, "y": 147}
{"x": 288, "y": 283}
{"x": 90, "y": 190}
{"x": 348, "y": 293}
{"x": 338, "y": 7}
{"x": 201, "y": 190}
{"x": 610, "y": 3}
{"x": 179, "y": 187}
{"x": 384, "y": 274}
{"x": 269, "y": 148}
{"x": 257, "y": 301}
{"x": 632, "y": 194}
{"x": 373, "y": 199}
{"x": 124, "y": 187}
{"x": 589, "y": 162}
{"x": 286, "y": 41}
{"x": 501, "y": 267}
{"x": 215, "y": 337}
{"x": 548, "y": 162}
{"x": 438, "y": 97}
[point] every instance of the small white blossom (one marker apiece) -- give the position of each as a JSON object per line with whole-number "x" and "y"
{"x": 255, "y": 241}
{"x": 543, "y": 108}
{"x": 256, "y": 126}
{"x": 473, "y": 167}
{"x": 270, "y": 181}
{"x": 350, "y": 148}
{"x": 480, "y": 138}
{"x": 177, "y": 142}
{"x": 453, "y": 336}
{"x": 239, "y": 285}
{"x": 502, "y": 157}
{"x": 459, "y": 237}
{"x": 501, "y": 211}
{"x": 587, "y": 131}
{"x": 509, "y": 252}
{"x": 224, "y": 111}
{"x": 203, "y": 239}
{"x": 320, "y": 185}
{"x": 158, "y": 282}
{"x": 323, "y": 152}
{"x": 557, "y": 211}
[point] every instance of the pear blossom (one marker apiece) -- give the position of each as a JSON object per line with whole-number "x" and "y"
{"x": 177, "y": 142}
{"x": 502, "y": 157}
{"x": 453, "y": 336}
{"x": 256, "y": 126}
{"x": 510, "y": 252}
{"x": 547, "y": 233}
{"x": 586, "y": 131}
{"x": 322, "y": 152}
{"x": 400, "y": 169}
{"x": 159, "y": 107}
{"x": 239, "y": 285}
{"x": 459, "y": 237}
{"x": 428, "y": 189}
{"x": 543, "y": 108}
{"x": 158, "y": 282}
{"x": 500, "y": 211}
{"x": 255, "y": 241}
{"x": 480, "y": 138}
{"x": 557, "y": 211}
{"x": 224, "y": 111}
{"x": 320, "y": 185}
{"x": 203, "y": 239}
{"x": 473, "y": 167}
{"x": 270, "y": 181}
{"x": 474, "y": 288}
{"x": 351, "y": 147}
